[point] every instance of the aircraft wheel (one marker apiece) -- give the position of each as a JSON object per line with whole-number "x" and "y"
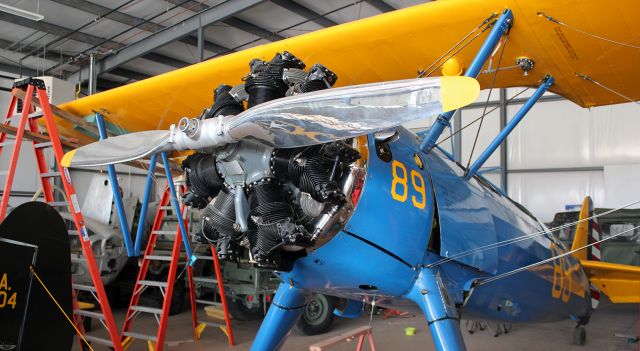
{"x": 241, "y": 310}
{"x": 318, "y": 315}
{"x": 178, "y": 299}
{"x": 580, "y": 335}
{"x": 86, "y": 324}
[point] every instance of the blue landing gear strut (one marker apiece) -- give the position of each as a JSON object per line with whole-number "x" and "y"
{"x": 287, "y": 306}
{"x": 444, "y": 323}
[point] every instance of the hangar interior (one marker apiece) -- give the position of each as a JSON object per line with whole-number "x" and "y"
{"x": 556, "y": 156}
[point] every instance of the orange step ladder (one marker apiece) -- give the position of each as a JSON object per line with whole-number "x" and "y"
{"x": 151, "y": 254}
{"x": 203, "y": 323}
{"x": 35, "y": 89}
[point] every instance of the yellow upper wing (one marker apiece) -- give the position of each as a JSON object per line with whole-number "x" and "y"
{"x": 398, "y": 44}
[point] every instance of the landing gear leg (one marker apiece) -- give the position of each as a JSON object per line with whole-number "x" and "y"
{"x": 287, "y": 306}
{"x": 431, "y": 295}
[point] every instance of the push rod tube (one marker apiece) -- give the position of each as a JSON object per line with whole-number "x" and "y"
{"x": 547, "y": 82}
{"x": 499, "y": 28}
{"x": 117, "y": 198}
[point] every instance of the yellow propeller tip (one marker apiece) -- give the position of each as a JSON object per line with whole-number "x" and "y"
{"x": 66, "y": 159}
{"x": 458, "y": 92}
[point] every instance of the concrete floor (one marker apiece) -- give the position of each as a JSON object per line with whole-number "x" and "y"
{"x": 389, "y": 334}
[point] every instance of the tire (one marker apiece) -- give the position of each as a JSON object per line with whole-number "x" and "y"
{"x": 178, "y": 297}
{"x": 580, "y": 336}
{"x": 318, "y": 315}
{"x": 87, "y": 325}
{"x": 240, "y": 311}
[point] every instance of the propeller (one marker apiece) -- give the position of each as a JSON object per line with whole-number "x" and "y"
{"x": 294, "y": 121}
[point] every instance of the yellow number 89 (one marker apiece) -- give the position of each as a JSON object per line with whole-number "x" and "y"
{"x": 400, "y": 177}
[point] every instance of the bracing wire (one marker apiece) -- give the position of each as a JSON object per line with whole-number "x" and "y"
{"x": 518, "y": 270}
{"x": 422, "y": 73}
{"x": 526, "y": 237}
{"x": 589, "y": 79}
{"x": 554, "y": 20}
{"x": 493, "y": 82}
{"x": 427, "y": 74}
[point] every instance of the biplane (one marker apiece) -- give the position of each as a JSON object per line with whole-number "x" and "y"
{"x": 327, "y": 187}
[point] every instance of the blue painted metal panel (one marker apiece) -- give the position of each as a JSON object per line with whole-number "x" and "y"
{"x": 465, "y": 220}
{"x": 525, "y": 297}
{"x": 345, "y": 263}
{"x": 399, "y": 227}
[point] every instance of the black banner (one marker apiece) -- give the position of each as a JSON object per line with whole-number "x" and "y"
{"x": 44, "y": 327}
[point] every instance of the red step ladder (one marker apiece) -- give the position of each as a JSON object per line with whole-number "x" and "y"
{"x": 36, "y": 87}
{"x": 156, "y": 342}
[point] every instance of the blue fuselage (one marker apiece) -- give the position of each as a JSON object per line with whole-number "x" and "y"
{"x": 416, "y": 209}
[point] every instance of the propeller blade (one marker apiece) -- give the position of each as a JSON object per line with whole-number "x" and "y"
{"x": 341, "y": 113}
{"x": 117, "y": 149}
{"x": 301, "y": 120}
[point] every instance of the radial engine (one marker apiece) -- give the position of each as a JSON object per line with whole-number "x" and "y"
{"x": 267, "y": 205}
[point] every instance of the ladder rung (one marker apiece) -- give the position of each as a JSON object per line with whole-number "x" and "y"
{"x": 36, "y": 114}
{"x": 164, "y": 232}
{"x": 43, "y": 145}
{"x": 141, "y": 336}
{"x": 98, "y": 340}
{"x": 153, "y": 283}
{"x": 58, "y": 203}
{"x": 31, "y": 115}
{"x": 10, "y": 142}
{"x": 146, "y": 309}
{"x": 84, "y": 287}
{"x": 204, "y": 257}
{"x": 205, "y": 280}
{"x": 168, "y": 207}
{"x": 158, "y": 258}
{"x": 89, "y": 314}
{"x": 207, "y": 302}
{"x": 50, "y": 174}
{"x": 212, "y": 324}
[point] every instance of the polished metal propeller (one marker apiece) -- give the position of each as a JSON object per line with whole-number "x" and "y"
{"x": 295, "y": 121}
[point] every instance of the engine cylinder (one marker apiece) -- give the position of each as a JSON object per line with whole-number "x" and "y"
{"x": 269, "y": 212}
{"x": 202, "y": 179}
{"x": 218, "y": 225}
{"x": 224, "y": 104}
